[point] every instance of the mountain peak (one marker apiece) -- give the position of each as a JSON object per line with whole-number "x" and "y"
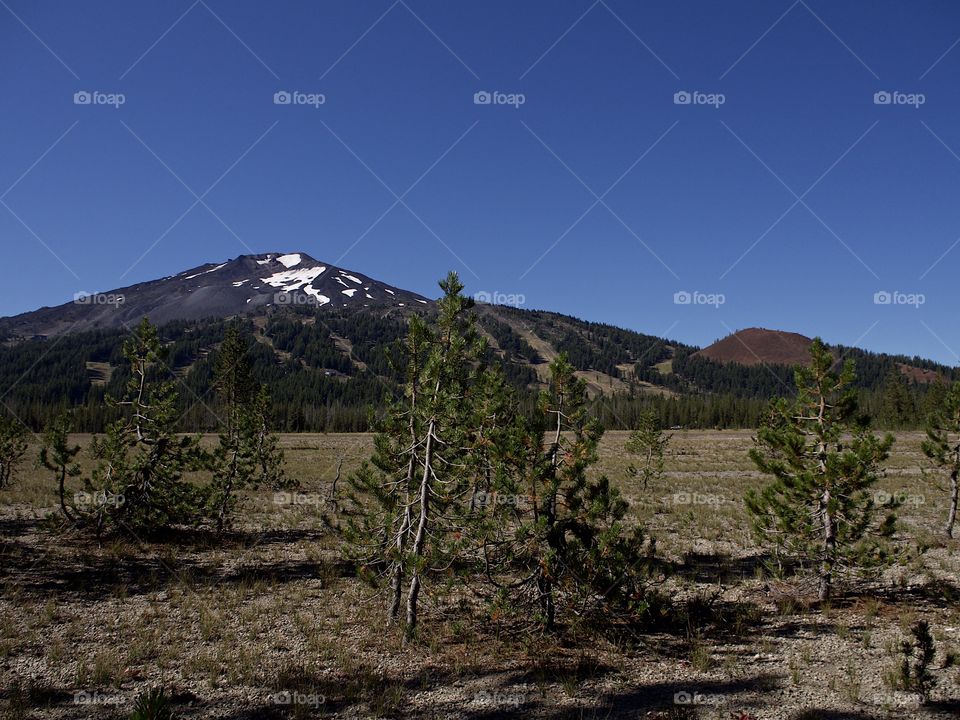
{"x": 245, "y": 285}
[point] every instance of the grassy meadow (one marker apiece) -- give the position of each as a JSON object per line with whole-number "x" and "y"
{"x": 271, "y": 623}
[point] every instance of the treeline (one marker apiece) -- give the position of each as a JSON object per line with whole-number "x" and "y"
{"x": 328, "y": 373}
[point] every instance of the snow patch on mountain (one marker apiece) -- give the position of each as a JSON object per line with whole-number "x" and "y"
{"x": 294, "y": 279}
{"x": 321, "y": 299}
{"x": 290, "y": 261}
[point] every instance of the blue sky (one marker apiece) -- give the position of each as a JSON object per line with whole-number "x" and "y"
{"x": 794, "y": 201}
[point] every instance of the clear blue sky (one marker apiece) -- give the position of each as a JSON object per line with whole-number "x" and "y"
{"x": 96, "y": 196}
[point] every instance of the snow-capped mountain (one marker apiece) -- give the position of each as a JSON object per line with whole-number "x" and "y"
{"x": 247, "y": 285}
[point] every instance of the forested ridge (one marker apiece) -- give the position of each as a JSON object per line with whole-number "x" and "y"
{"x": 328, "y": 373}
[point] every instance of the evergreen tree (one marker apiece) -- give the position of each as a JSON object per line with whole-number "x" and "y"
{"x": 247, "y": 454}
{"x": 13, "y": 446}
{"x": 823, "y": 460}
{"x": 942, "y": 445}
{"x": 138, "y": 484}
{"x": 59, "y": 457}
{"x": 408, "y": 506}
{"x": 647, "y": 442}
{"x": 898, "y": 404}
{"x": 560, "y": 537}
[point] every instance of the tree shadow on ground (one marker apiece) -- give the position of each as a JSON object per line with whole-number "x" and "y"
{"x": 673, "y": 699}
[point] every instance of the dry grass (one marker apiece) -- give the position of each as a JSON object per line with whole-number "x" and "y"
{"x": 234, "y": 629}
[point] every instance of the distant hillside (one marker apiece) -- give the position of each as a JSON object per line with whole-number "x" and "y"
{"x": 322, "y": 338}
{"x": 757, "y": 346}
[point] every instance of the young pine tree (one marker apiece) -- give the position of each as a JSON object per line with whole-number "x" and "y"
{"x": 824, "y": 460}
{"x": 59, "y": 457}
{"x": 407, "y": 507}
{"x": 13, "y": 446}
{"x": 647, "y": 442}
{"x": 138, "y": 485}
{"x": 561, "y": 541}
{"x": 942, "y": 445}
{"x": 247, "y": 454}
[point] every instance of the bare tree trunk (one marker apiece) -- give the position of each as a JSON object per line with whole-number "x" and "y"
{"x": 333, "y": 487}
{"x": 63, "y": 502}
{"x": 829, "y": 547}
{"x": 954, "y": 491}
{"x": 421, "y": 536}
{"x": 396, "y": 582}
